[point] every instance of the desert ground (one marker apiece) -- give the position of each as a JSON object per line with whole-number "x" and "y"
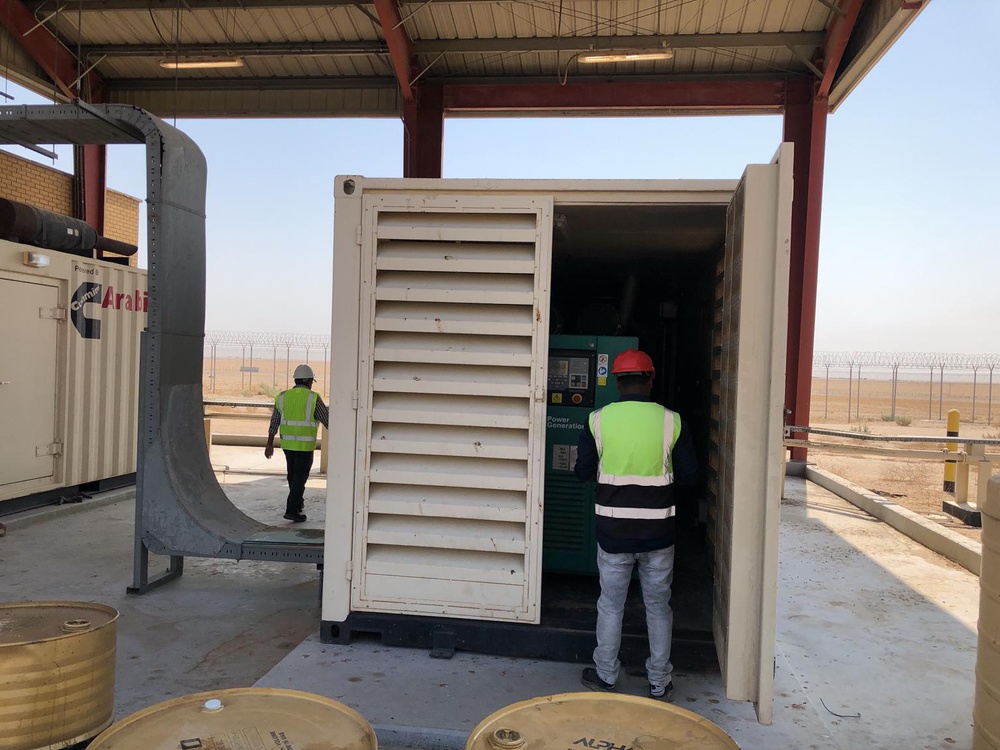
{"x": 921, "y": 409}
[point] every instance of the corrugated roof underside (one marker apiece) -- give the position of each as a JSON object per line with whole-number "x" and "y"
{"x": 879, "y": 25}
{"x": 619, "y": 18}
{"x": 524, "y": 20}
{"x": 314, "y": 79}
{"x": 18, "y": 66}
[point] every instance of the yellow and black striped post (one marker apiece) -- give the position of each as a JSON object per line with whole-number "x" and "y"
{"x": 950, "y": 465}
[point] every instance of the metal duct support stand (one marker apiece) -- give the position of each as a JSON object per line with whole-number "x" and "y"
{"x": 180, "y": 507}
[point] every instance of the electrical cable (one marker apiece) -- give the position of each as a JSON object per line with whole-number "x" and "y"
{"x": 840, "y": 716}
{"x": 157, "y": 27}
{"x": 177, "y": 57}
{"x": 79, "y": 48}
{"x": 565, "y": 75}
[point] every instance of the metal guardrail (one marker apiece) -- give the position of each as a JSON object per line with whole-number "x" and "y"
{"x": 973, "y": 454}
{"x": 790, "y": 429}
{"x": 248, "y": 404}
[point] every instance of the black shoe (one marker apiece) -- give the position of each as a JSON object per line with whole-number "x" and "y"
{"x": 593, "y": 681}
{"x": 296, "y": 517}
{"x": 662, "y": 693}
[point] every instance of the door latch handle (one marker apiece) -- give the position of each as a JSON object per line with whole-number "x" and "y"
{"x": 5, "y": 382}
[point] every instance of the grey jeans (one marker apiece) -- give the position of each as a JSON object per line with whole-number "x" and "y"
{"x": 656, "y": 574}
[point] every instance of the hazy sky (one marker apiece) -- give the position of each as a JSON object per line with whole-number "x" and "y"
{"x": 908, "y": 256}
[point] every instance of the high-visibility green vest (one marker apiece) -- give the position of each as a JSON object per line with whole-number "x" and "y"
{"x": 298, "y": 426}
{"x": 635, "y": 441}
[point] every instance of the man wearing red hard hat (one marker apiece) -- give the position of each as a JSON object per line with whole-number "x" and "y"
{"x": 637, "y": 451}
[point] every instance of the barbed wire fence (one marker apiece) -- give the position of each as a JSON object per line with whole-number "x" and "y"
{"x": 258, "y": 363}
{"x": 887, "y": 365}
{"x": 261, "y": 354}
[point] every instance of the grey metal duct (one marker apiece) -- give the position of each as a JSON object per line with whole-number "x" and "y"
{"x": 180, "y": 507}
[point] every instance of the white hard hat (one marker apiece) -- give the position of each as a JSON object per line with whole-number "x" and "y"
{"x": 303, "y": 372}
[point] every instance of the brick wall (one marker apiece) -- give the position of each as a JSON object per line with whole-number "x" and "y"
{"x": 44, "y": 187}
{"x": 37, "y": 185}
{"x": 121, "y": 217}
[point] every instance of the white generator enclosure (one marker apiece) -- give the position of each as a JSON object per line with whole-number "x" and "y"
{"x": 69, "y": 369}
{"x": 445, "y": 294}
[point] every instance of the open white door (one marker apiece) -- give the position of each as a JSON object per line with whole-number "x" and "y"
{"x": 748, "y": 396}
{"x": 451, "y": 412}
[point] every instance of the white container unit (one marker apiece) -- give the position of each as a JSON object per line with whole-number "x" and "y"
{"x": 441, "y": 315}
{"x": 69, "y": 368}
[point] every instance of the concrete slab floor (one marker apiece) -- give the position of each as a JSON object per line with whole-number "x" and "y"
{"x": 869, "y": 623}
{"x": 222, "y": 624}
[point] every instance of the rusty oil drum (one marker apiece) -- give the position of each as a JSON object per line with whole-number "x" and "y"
{"x": 251, "y": 718}
{"x": 601, "y": 720}
{"x": 57, "y": 673}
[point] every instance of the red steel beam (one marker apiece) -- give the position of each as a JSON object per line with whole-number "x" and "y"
{"x": 805, "y": 126}
{"x": 58, "y": 62}
{"x": 400, "y": 46}
{"x": 837, "y": 37}
{"x": 762, "y": 95}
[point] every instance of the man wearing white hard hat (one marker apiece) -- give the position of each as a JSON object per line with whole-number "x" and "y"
{"x": 298, "y": 413}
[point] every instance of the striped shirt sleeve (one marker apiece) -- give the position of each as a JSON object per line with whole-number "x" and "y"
{"x": 322, "y": 412}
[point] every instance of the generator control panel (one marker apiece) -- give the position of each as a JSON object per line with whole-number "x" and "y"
{"x": 579, "y": 381}
{"x": 571, "y": 378}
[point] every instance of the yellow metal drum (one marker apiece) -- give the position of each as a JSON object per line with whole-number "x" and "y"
{"x": 597, "y": 721}
{"x": 244, "y": 718}
{"x": 986, "y": 714}
{"x": 57, "y": 673}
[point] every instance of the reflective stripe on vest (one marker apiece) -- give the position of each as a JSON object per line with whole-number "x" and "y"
{"x": 611, "y": 512}
{"x": 633, "y": 446}
{"x": 298, "y": 426}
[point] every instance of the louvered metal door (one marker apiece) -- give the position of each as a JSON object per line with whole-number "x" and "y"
{"x": 451, "y": 413}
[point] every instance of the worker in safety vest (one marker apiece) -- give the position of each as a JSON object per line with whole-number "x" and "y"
{"x": 636, "y": 450}
{"x": 298, "y": 412}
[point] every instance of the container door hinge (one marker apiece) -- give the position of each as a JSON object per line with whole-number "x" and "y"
{"x": 358, "y": 235}
{"x": 52, "y": 313}
{"x": 349, "y": 570}
{"x": 52, "y": 449}
{"x": 354, "y": 400}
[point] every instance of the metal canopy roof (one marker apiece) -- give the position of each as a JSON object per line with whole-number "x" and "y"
{"x": 365, "y": 57}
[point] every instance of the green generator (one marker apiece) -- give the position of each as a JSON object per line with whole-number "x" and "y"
{"x": 579, "y": 381}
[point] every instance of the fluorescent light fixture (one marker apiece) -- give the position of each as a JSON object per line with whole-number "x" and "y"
{"x": 195, "y": 63}
{"x": 637, "y": 55}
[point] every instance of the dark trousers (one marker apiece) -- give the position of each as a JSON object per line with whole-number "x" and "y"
{"x": 299, "y": 463}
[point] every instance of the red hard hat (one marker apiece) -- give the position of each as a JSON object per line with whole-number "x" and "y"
{"x": 632, "y": 360}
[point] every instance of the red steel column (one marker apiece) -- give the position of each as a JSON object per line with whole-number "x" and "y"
{"x": 805, "y": 126}
{"x": 423, "y": 132}
{"x": 90, "y": 166}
